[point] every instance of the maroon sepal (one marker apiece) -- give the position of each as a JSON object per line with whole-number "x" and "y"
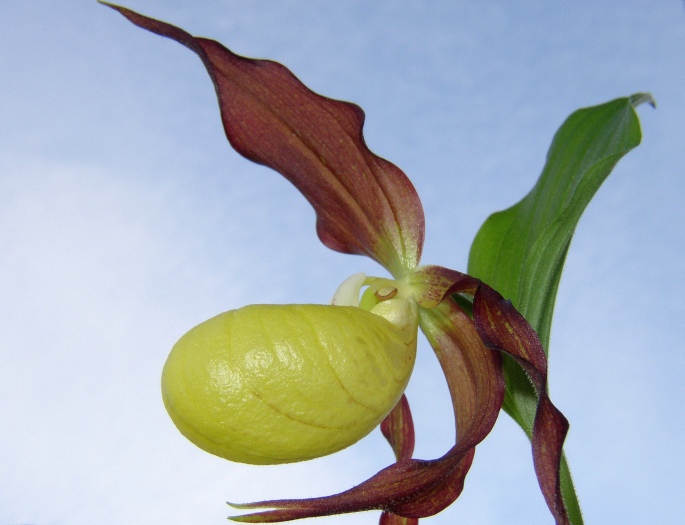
{"x": 364, "y": 204}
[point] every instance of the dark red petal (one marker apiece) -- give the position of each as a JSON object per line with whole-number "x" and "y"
{"x": 398, "y": 429}
{"x": 503, "y": 328}
{"x": 364, "y": 204}
{"x": 445, "y": 492}
{"x": 473, "y": 372}
{"x": 389, "y": 489}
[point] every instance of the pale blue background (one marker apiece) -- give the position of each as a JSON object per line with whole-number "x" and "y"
{"x": 125, "y": 219}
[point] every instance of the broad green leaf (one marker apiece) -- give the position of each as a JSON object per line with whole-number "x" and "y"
{"x": 520, "y": 251}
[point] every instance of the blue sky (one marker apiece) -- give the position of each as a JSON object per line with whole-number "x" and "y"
{"x": 125, "y": 219}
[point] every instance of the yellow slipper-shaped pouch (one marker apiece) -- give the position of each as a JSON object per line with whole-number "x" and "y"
{"x": 269, "y": 384}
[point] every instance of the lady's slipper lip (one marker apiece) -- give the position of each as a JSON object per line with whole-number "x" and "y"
{"x": 268, "y": 384}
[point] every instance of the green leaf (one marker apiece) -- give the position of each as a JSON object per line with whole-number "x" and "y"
{"x": 520, "y": 251}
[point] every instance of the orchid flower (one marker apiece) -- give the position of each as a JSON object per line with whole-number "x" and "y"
{"x": 367, "y": 206}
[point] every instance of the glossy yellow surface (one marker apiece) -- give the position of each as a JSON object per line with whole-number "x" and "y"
{"x": 272, "y": 384}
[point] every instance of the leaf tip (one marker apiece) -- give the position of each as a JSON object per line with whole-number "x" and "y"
{"x": 641, "y": 98}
